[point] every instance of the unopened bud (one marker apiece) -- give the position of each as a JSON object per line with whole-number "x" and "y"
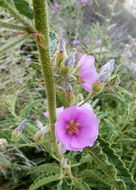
{"x": 3, "y": 143}
{"x": 39, "y": 136}
{"x": 69, "y": 94}
{"x": 97, "y": 87}
{"x": 61, "y": 148}
{"x": 68, "y": 64}
{"x": 60, "y": 54}
{"x": 65, "y": 162}
{"x": 106, "y": 70}
{"x": 61, "y": 46}
{"x": 16, "y": 134}
{"x": 71, "y": 59}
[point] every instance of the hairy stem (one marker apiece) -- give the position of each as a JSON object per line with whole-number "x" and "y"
{"x": 41, "y": 24}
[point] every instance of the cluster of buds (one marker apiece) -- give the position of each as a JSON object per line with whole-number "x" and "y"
{"x": 17, "y": 133}
{"x": 64, "y": 63}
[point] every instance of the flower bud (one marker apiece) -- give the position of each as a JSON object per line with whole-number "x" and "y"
{"x": 67, "y": 65}
{"x": 106, "y": 70}
{"x": 65, "y": 162}
{"x": 97, "y": 87}
{"x": 69, "y": 94}
{"x": 16, "y": 134}
{"x": 61, "y": 148}
{"x": 3, "y": 143}
{"x": 39, "y": 136}
{"x": 60, "y": 54}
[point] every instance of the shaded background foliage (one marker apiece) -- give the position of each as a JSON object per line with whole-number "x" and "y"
{"x": 105, "y": 30}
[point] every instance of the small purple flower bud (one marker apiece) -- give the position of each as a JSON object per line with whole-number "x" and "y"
{"x": 68, "y": 88}
{"x": 106, "y": 70}
{"x": 67, "y": 65}
{"x": 60, "y": 55}
{"x": 69, "y": 94}
{"x": 16, "y": 134}
{"x": 71, "y": 59}
{"x": 21, "y": 125}
{"x": 61, "y": 46}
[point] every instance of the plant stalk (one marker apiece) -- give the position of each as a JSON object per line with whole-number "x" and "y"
{"x": 41, "y": 24}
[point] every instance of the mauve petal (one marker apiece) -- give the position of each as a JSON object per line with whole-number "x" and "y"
{"x": 88, "y": 72}
{"x": 58, "y": 112}
{"x": 81, "y": 140}
{"x": 88, "y": 118}
{"x": 82, "y": 60}
{"x": 69, "y": 147}
{"x": 61, "y": 133}
{"x": 89, "y": 124}
{"x": 87, "y": 137}
{"x": 85, "y": 106}
{"x": 87, "y": 87}
{"x": 85, "y": 58}
{"x": 69, "y": 113}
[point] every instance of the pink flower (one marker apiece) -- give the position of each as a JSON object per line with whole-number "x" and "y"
{"x": 87, "y": 73}
{"x": 77, "y": 127}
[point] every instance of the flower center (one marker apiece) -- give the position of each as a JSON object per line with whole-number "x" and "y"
{"x": 72, "y": 127}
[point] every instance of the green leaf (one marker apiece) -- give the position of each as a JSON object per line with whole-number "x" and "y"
{"x": 53, "y": 42}
{"x": 122, "y": 171}
{"x": 80, "y": 185}
{"x": 28, "y": 107}
{"x": 51, "y": 168}
{"x": 94, "y": 178}
{"x": 41, "y": 182}
{"x": 24, "y": 8}
{"x": 107, "y": 168}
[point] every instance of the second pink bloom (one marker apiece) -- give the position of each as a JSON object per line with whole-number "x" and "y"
{"x": 87, "y": 73}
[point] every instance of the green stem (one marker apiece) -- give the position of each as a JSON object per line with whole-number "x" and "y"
{"x": 16, "y": 14}
{"x": 41, "y": 24}
{"x": 13, "y": 26}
